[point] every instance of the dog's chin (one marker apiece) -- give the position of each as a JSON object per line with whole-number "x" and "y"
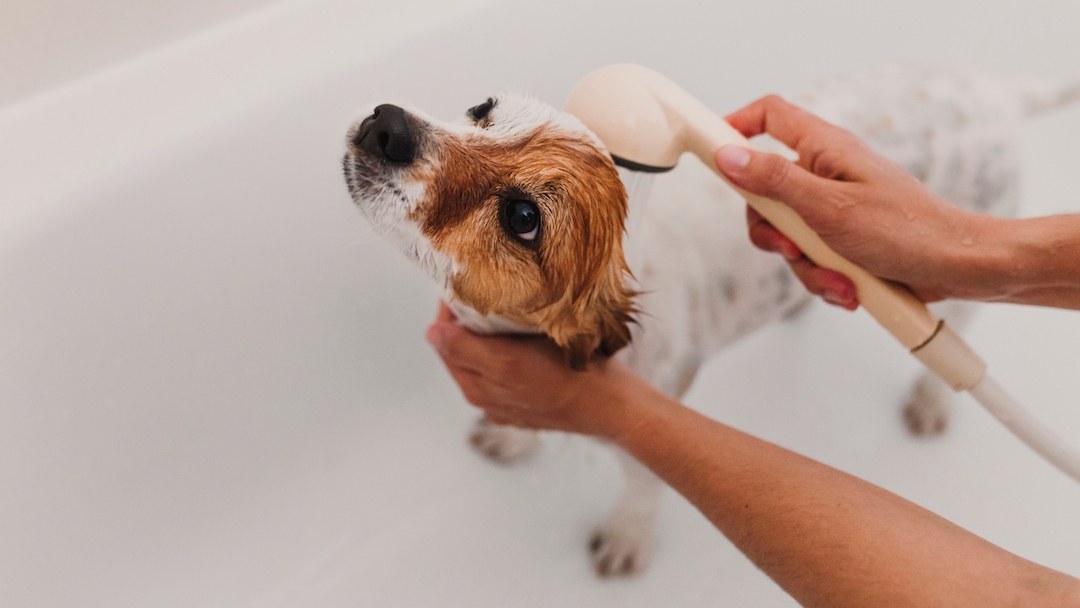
{"x": 376, "y": 193}
{"x": 363, "y": 179}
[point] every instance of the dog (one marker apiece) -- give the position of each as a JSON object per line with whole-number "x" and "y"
{"x": 519, "y": 215}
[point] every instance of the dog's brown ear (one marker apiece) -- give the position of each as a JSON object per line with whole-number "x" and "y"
{"x": 590, "y": 304}
{"x": 579, "y": 351}
{"x": 615, "y": 332}
{"x": 597, "y": 323}
{"x": 612, "y": 335}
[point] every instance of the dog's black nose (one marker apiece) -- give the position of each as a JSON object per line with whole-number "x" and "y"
{"x": 387, "y": 133}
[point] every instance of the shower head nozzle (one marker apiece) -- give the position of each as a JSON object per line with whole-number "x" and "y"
{"x": 646, "y": 121}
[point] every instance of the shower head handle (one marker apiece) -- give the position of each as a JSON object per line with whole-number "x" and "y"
{"x": 647, "y": 122}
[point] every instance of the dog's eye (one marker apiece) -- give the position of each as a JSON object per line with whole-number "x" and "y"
{"x": 480, "y": 112}
{"x": 523, "y": 219}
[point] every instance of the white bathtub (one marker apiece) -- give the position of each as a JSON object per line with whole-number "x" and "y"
{"x": 214, "y": 389}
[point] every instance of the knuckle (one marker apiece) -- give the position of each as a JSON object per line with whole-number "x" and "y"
{"x": 848, "y": 140}
{"x": 831, "y": 214}
{"x": 763, "y": 237}
{"x": 827, "y": 163}
{"x": 839, "y": 199}
{"x": 477, "y": 396}
{"x": 774, "y": 172}
{"x": 757, "y": 238}
{"x": 450, "y": 347}
{"x": 471, "y": 395}
{"x": 773, "y": 101}
{"x": 803, "y": 269}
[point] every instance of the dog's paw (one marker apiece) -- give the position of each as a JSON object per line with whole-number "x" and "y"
{"x": 928, "y": 411}
{"x": 503, "y": 444}
{"x": 620, "y": 549}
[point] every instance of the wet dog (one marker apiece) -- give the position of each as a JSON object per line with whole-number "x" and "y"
{"x": 518, "y": 213}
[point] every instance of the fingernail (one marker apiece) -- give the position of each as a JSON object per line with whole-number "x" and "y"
{"x": 733, "y": 158}
{"x": 833, "y": 298}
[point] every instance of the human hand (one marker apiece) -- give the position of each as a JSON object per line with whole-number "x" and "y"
{"x": 525, "y": 381}
{"x": 864, "y": 206}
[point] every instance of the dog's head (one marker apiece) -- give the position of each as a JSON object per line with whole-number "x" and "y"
{"x": 517, "y": 209}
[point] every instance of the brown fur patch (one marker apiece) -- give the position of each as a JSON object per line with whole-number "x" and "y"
{"x": 573, "y": 285}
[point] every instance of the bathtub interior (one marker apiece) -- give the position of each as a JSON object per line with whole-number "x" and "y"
{"x": 214, "y": 389}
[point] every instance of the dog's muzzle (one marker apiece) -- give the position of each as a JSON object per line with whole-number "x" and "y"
{"x": 387, "y": 134}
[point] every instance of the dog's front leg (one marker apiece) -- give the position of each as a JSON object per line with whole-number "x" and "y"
{"x": 623, "y": 544}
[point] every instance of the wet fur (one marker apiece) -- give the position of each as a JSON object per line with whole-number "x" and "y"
{"x": 574, "y": 285}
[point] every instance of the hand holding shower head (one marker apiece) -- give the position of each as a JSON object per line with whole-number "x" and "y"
{"x": 647, "y": 122}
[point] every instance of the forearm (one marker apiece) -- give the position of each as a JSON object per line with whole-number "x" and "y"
{"x": 824, "y": 536}
{"x": 1026, "y": 261}
{"x": 827, "y": 538}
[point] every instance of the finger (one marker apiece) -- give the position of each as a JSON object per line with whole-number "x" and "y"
{"x": 824, "y": 149}
{"x": 500, "y": 419}
{"x": 831, "y": 286}
{"x": 775, "y": 177}
{"x": 471, "y": 384}
{"x": 461, "y": 348}
{"x": 783, "y": 120}
{"x": 764, "y": 236}
{"x": 493, "y": 417}
{"x": 445, "y": 315}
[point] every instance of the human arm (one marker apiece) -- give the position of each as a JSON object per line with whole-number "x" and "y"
{"x": 827, "y": 538}
{"x": 871, "y": 211}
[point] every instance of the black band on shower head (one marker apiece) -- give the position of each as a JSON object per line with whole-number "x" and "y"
{"x": 631, "y": 165}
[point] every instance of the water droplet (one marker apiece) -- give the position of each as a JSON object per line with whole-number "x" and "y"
{"x": 967, "y": 241}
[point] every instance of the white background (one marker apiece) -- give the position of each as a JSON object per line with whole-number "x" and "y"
{"x": 213, "y": 385}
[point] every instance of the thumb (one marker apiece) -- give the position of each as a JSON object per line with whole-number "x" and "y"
{"x": 771, "y": 176}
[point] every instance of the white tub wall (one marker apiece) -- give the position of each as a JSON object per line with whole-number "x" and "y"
{"x": 136, "y": 110}
{"x": 213, "y": 385}
{"x": 46, "y": 42}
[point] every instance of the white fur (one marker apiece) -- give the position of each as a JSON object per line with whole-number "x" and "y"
{"x": 484, "y": 324}
{"x": 704, "y": 286}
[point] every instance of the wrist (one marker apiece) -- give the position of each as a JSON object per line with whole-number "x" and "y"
{"x": 978, "y": 259}
{"x": 1021, "y": 260}
{"x": 611, "y": 402}
{"x": 638, "y": 411}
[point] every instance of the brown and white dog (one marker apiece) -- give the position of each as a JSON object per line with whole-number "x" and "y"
{"x": 519, "y": 215}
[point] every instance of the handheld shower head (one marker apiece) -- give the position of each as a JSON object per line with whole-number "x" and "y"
{"x": 648, "y": 122}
